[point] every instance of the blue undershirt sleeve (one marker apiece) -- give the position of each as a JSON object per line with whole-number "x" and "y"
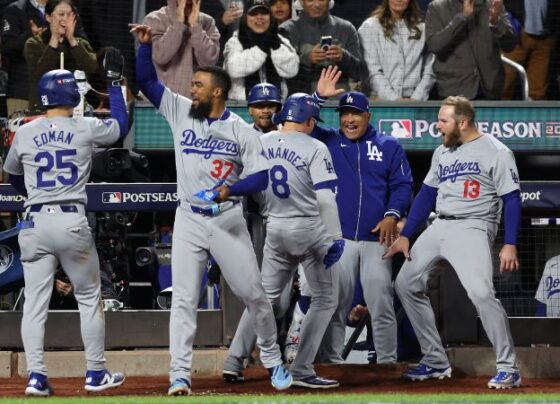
{"x": 512, "y": 216}
{"x": 251, "y": 184}
{"x": 420, "y": 211}
{"x": 118, "y": 109}
{"x": 146, "y": 75}
{"x": 18, "y": 182}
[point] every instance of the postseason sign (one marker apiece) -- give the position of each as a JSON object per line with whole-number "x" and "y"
{"x": 530, "y": 126}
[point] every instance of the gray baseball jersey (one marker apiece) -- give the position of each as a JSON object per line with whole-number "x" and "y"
{"x": 56, "y": 153}
{"x": 205, "y": 153}
{"x": 548, "y": 291}
{"x": 295, "y": 235}
{"x": 297, "y": 163}
{"x": 471, "y": 178}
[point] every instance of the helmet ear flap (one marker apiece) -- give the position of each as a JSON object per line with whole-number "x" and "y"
{"x": 58, "y": 88}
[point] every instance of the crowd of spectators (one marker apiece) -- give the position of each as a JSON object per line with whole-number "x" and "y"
{"x": 389, "y": 49}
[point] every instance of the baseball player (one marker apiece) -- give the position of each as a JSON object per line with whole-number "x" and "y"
{"x": 472, "y": 175}
{"x": 263, "y": 101}
{"x": 212, "y": 146}
{"x": 50, "y": 161}
{"x": 302, "y": 228}
{"x": 375, "y": 189}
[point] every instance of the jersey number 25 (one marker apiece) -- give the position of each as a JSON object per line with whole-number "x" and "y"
{"x": 56, "y": 160}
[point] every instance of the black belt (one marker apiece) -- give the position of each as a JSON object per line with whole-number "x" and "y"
{"x": 63, "y": 208}
{"x": 445, "y": 217}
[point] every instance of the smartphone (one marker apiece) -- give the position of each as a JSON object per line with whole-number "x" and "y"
{"x": 326, "y": 41}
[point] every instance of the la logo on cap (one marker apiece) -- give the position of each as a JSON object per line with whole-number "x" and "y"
{"x": 349, "y": 99}
{"x": 265, "y": 90}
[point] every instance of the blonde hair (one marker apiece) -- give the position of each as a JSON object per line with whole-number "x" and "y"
{"x": 463, "y": 108}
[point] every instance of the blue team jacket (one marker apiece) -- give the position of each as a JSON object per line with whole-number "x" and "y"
{"x": 374, "y": 178}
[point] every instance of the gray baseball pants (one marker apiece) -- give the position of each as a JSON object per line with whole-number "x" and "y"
{"x": 466, "y": 245}
{"x": 225, "y": 237}
{"x": 288, "y": 243}
{"x": 64, "y": 238}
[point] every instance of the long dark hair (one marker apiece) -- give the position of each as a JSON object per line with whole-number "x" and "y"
{"x": 411, "y": 16}
{"x": 49, "y": 9}
{"x": 52, "y": 4}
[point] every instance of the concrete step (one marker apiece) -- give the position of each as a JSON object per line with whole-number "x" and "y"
{"x": 538, "y": 362}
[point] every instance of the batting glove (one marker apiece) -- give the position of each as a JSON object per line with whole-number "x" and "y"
{"x": 209, "y": 194}
{"x": 113, "y": 65}
{"x": 334, "y": 253}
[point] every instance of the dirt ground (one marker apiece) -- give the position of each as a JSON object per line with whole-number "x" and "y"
{"x": 353, "y": 379}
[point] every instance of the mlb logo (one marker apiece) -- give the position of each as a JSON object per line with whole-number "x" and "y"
{"x": 398, "y": 128}
{"x": 112, "y": 197}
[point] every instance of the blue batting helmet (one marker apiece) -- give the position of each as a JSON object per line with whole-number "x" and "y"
{"x": 58, "y": 88}
{"x": 299, "y": 107}
{"x": 264, "y": 92}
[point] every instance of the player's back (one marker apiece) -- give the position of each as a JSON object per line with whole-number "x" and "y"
{"x": 296, "y": 164}
{"x": 56, "y": 156}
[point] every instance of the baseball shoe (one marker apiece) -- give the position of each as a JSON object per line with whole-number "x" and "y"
{"x": 424, "y": 372}
{"x": 232, "y": 376}
{"x": 179, "y": 387}
{"x": 38, "y": 386}
{"x": 316, "y": 382}
{"x": 99, "y": 380}
{"x": 280, "y": 377}
{"x": 505, "y": 380}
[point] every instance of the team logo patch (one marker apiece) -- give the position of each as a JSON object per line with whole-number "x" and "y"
{"x": 111, "y": 197}
{"x": 6, "y": 258}
{"x": 398, "y": 128}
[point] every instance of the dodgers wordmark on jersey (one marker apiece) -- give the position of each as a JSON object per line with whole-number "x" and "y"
{"x": 207, "y": 152}
{"x": 471, "y": 178}
{"x": 57, "y": 153}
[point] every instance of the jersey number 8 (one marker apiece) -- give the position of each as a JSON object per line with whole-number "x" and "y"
{"x": 279, "y": 182}
{"x": 58, "y": 160}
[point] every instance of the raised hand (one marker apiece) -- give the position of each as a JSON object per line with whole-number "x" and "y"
{"x": 468, "y": 8}
{"x": 496, "y": 9}
{"x": 326, "y": 86}
{"x": 143, "y": 32}
{"x": 180, "y": 11}
{"x": 195, "y": 13}
{"x": 70, "y": 29}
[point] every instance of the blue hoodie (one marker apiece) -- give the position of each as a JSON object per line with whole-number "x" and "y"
{"x": 374, "y": 179}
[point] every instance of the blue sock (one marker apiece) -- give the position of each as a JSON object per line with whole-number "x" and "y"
{"x": 304, "y": 302}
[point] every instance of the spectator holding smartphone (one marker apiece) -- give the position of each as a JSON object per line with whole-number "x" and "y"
{"x": 305, "y": 32}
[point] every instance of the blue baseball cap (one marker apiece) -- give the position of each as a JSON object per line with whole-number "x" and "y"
{"x": 354, "y": 100}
